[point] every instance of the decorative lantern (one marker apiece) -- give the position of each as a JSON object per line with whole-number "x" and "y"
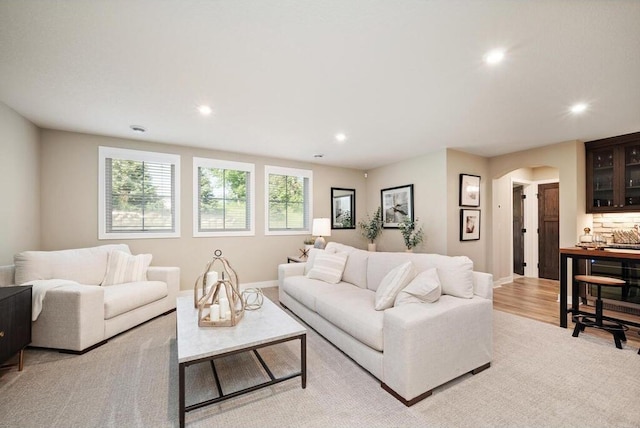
{"x": 220, "y": 304}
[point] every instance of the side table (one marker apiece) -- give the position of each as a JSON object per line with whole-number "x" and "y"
{"x": 15, "y": 322}
{"x": 293, "y": 259}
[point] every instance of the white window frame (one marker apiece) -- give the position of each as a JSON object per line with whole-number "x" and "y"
{"x": 278, "y": 170}
{"x": 228, "y": 165}
{"x": 140, "y": 156}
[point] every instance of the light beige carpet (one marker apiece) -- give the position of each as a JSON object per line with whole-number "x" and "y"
{"x": 540, "y": 376}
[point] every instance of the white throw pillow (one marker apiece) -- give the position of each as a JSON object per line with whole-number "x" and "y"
{"x": 123, "y": 268}
{"x": 425, "y": 288}
{"x": 312, "y": 257}
{"x": 328, "y": 267}
{"x": 456, "y": 277}
{"x": 392, "y": 283}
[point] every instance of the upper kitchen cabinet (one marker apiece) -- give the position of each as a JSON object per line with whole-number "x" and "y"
{"x": 613, "y": 174}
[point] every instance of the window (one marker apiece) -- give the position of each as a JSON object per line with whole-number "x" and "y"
{"x": 288, "y": 200}
{"x": 139, "y": 194}
{"x": 224, "y": 198}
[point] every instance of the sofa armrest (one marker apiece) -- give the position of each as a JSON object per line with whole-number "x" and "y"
{"x": 72, "y": 318}
{"x": 169, "y": 275}
{"x": 483, "y": 285}
{"x": 426, "y": 345}
{"x": 289, "y": 269}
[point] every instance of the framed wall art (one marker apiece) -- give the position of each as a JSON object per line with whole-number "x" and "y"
{"x": 397, "y": 205}
{"x": 343, "y": 208}
{"x": 469, "y": 225}
{"x": 469, "y": 190}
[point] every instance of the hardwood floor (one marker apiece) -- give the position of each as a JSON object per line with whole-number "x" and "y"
{"x": 538, "y": 299}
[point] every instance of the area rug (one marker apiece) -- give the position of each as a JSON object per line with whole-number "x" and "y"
{"x": 540, "y": 376}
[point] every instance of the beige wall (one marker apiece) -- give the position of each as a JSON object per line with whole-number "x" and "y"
{"x": 70, "y": 204}
{"x": 465, "y": 163}
{"x": 19, "y": 185}
{"x": 569, "y": 159}
{"x": 428, "y": 176}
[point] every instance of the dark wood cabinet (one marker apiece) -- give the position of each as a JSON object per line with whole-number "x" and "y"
{"x": 15, "y": 321}
{"x": 613, "y": 174}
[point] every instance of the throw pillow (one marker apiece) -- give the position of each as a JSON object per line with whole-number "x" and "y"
{"x": 425, "y": 288}
{"x": 123, "y": 267}
{"x": 328, "y": 267}
{"x": 392, "y": 283}
{"x": 456, "y": 277}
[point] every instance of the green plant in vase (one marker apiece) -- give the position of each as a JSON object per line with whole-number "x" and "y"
{"x": 371, "y": 228}
{"x": 412, "y": 236}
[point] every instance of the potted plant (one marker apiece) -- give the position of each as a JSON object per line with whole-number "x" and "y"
{"x": 371, "y": 228}
{"x": 412, "y": 236}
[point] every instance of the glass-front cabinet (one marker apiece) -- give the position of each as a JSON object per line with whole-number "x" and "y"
{"x": 613, "y": 174}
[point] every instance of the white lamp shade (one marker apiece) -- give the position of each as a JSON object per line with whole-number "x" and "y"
{"x": 321, "y": 227}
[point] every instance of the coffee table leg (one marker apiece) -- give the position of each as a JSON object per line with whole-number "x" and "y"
{"x": 181, "y": 392}
{"x": 303, "y": 359}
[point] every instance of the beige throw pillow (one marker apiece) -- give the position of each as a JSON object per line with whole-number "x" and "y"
{"x": 392, "y": 283}
{"x": 328, "y": 267}
{"x": 425, "y": 288}
{"x": 123, "y": 268}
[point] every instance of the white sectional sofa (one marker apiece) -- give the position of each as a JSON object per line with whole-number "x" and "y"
{"x": 79, "y": 311}
{"x": 411, "y": 348}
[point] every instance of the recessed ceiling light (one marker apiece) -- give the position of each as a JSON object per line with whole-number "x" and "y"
{"x": 138, "y": 128}
{"x": 578, "y": 108}
{"x": 204, "y": 110}
{"x": 494, "y": 57}
{"x": 341, "y": 138}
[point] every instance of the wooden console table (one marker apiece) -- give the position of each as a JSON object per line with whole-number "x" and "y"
{"x": 575, "y": 254}
{"x": 15, "y": 322}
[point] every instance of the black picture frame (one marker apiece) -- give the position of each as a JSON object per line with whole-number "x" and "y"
{"x": 397, "y": 205}
{"x": 343, "y": 208}
{"x": 469, "y": 190}
{"x": 469, "y": 224}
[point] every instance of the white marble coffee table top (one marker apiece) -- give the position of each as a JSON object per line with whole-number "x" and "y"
{"x": 267, "y": 324}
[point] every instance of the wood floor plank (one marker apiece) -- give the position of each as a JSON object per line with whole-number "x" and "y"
{"x": 538, "y": 299}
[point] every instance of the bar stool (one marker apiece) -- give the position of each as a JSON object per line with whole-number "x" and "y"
{"x": 582, "y": 321}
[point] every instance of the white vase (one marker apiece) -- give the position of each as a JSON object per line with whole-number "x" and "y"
{"x": 372, "y": 247}
{"x": 409, "y": 250}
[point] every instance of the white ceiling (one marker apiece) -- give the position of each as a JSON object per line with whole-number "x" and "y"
{"x": 400, "y": 77}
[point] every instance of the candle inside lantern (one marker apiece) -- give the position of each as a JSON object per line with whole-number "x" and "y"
{"x": 224, "y": 308}
{"x": 212, "y": 278}
{"x": 215, "y": 312}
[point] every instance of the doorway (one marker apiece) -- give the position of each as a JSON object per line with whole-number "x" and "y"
{"x": 518, "y": 229}
{"x": 549, "y": 231}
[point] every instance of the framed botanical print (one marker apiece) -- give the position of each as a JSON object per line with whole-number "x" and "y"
{"x": 469, "y": 190}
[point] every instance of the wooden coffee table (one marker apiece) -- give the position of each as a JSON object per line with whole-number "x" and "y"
{"x": 266, "y": 326}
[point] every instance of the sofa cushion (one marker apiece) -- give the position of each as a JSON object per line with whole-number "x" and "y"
{"x": 122, "y": 298}
{"x": 392, "y": 283}
{"x": 328, "y": 267}
{"x": 85, "y": 265}
{"x": 456, "y": 276}
{"x": 355, "y": 271}
{"x": 124, "y": 267}
{"x": 305, "y": 290}
{"x": 351, "y": 309}
{"x": 424, "y": 288}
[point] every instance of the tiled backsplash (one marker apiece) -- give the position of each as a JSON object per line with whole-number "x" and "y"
{"x": 607, "y": 223}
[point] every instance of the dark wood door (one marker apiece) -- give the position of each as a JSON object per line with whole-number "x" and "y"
{"x": 518, "y": 230}
{"x": 549, "y": 231}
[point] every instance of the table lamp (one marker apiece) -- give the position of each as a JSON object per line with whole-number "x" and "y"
{"x": 321, "y": 227}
